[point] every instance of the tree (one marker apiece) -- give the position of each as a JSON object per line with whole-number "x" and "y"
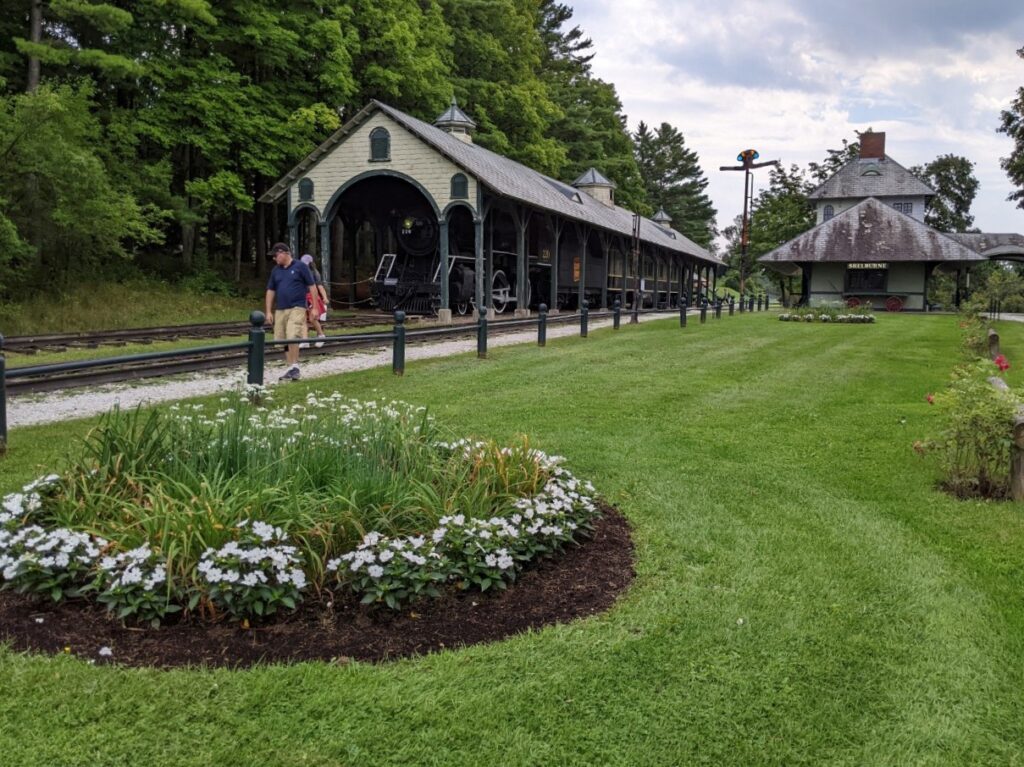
{"x": 591, "y": 125}
{"x": 1013, "y": 126}
{"x": 674, "y": 181}
{"x": 835, "y": 159}
{"x": 952, "y": 178}
{"x": 781, "y": 212}
{"x": 497, "y": 55}
{"x": 76, "y": 33}
{"x": 60, "y": 212}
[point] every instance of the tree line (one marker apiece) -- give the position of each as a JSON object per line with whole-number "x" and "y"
{"x": 153, "y": 126}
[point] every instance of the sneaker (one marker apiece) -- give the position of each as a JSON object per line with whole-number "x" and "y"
{"x": 320, "y": 344}
{"x": 292, "y": 374}
{"x": 304, "y": 345}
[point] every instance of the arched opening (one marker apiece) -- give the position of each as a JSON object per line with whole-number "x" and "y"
{"x": 384, "y": 244}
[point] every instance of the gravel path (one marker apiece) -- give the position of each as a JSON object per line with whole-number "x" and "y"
{"x": 29, "y": 409}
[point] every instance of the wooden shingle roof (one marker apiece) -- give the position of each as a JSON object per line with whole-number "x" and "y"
{"x": 872, "y": 178}
{"x": 871, "y": 231}
{"x": 508, "y": 179}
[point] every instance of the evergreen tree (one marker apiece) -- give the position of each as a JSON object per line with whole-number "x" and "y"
{"x": 674, "y": 181}
{"x": 952, "y": 177}
{"x": 1013, "y": 126}
{"x": 591, "y": 126}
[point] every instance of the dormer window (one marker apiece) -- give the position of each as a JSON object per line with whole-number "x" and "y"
{"x": 871, "y": 169}
{"x": 827, "y": 212}
{"x": 380, "y": 145}
{"x": 460, "y": 187}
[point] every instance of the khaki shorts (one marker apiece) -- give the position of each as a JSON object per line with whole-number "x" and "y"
{"x": 290, "y": 323}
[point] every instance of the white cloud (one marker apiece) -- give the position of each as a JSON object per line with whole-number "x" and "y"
{"x": 792, "y": 78}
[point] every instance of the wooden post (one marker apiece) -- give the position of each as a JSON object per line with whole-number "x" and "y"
{"x": 993, "y": 343}
{"x": 1017, "y": 460}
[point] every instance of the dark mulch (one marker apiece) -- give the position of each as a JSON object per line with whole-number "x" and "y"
{"x": 581, "y": 581}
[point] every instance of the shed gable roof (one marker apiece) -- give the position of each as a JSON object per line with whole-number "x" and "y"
{"x": 506, "y": 178}
{"x": 872, "y": 178}
{"x": 871, "y": 231}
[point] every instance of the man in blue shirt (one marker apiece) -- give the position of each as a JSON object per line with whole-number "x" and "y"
{"x": 286, "y": 290}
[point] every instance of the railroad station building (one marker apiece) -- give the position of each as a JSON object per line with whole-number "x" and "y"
{"x": 870, "y": 244}
{"x": 402, "y": 214}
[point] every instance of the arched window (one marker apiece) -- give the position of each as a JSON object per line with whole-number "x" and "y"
{"x": 460, "y": 187}
{"x": 827, "y": 212}
{"x": 305, "y": 190}
{"x": 380, "y": 144}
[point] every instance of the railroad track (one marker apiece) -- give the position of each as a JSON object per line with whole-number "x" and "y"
{"x": 123, "y": 371}
{"x": 58, "y": 342}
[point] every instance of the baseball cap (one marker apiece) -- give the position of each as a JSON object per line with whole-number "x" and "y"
{"x": 279, "y": 247}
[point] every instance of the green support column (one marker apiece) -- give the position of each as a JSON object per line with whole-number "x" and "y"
{"x": 522, "y": 266}
{"x": 606, "y": 253}
{"x": 584, "y": 238}
{"x": 556, "y": 228}
{"x": 443, "y": 273}
{"x": 489, "y": 274}
{"x": 478, "y": 252}
{"x": 325, "y": 257}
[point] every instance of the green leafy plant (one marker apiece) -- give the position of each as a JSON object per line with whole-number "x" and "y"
{"x": 973, "y": 444}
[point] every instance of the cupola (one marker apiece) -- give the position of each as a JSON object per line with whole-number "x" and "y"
{"x": 456, "y": 122}
{"x": 597, "y": 186}
{"x": 662, "y": 219}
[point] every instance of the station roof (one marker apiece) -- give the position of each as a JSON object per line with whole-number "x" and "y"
{"x": 872, "y": 231}
{"x": 508, "y": 179}
{"x": 874, "y": 177}
{"x": 992, "y": 245}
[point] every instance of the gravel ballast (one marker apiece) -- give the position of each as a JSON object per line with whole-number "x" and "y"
{"x": 30, "y": 409}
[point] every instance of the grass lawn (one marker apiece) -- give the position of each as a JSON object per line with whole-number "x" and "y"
{"x": 804, "y": 595}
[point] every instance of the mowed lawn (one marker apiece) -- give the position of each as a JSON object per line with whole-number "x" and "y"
{"x": 804, "y": 595}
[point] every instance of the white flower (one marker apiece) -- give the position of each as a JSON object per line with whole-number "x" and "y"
{"x": 375, "y": 571}
{"x": 106, "y": 652}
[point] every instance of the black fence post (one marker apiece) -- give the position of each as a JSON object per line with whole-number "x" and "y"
{"x": 682, "y": 313}
{"x": 617, "y": 317}
{"x": 732, "y": 305}
{"x": 703, "y": 311}
{"x": 718, "y": 308}
{"x": 481, "y": 337}
{"x": 3, "y": 399}
{"x": 257, "y": 348}
{"x": 743, "y": 304}
{"x": 767, "y": 301}
{"x": 398, "y": 360}
{"x": 759, "y": 302}
{"x": 542, "y": 325}
{"x": 584, "y": 321}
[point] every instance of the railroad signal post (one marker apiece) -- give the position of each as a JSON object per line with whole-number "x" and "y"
{"x": 747, "y": 158}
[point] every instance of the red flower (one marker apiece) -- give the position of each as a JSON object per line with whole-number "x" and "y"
{"x": 931, "y": 399}
{"x": 1001, "y": 363}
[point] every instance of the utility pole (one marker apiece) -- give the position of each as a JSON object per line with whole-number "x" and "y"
{"x": 747, "y": 157}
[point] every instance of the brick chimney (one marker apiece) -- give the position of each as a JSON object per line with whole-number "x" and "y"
{"x": 872, "y": 146}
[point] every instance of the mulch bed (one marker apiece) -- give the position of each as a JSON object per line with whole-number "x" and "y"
{"x": 582, "y": 581}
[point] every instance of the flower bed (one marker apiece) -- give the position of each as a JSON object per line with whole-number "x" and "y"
{"x": 813, "y": 316}
{"x": 247, "y": 510}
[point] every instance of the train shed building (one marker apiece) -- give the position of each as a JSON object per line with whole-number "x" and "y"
{"x": 408, "y": 215}
{"x": 871, "y": 245}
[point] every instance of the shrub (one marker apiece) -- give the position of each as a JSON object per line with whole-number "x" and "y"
{"x": 974, "y": 441}
{"x": 242, "y": 510}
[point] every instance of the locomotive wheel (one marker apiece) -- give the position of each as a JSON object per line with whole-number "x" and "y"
{"x": 853, "y": 303}
{"x": 499, "y": 292}
{"x": 462, "y": 308}
{"x": 894, "y": 304}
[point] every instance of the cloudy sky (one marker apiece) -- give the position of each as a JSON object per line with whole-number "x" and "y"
{"x": 792, "y": 78}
